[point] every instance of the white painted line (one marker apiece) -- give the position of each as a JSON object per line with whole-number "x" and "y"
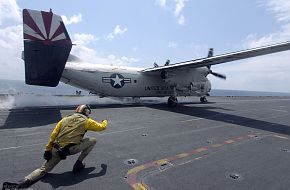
{"x": 12, "y": 147}
{"x": 279, "y": 110}
{"x": 281, "y": 137}
{"x": 25, "y": 135}
{"x": 122, "y": 131}
{"x": 196, "y": 119}
{"x": 15, "y": 147}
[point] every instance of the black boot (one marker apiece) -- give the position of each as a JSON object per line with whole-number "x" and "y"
{"x": 8, "y": 186}
{"x": 25, "y": 183}
{"x": 78, "y": 166}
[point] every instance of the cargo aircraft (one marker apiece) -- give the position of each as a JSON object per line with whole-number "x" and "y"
{"x": 47, "y": 58}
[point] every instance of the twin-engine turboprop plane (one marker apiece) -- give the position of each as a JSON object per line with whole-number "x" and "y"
{"x": 47, "y": 57}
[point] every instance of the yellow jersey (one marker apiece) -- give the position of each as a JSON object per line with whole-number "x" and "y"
{"x": 72, "y": 128}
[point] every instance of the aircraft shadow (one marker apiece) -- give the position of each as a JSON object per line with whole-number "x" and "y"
{"x": 30, "y": 118}
{"x": 69, "y": 178}
{"x": 34, "y": 117}
{"x": 208, "y": 113}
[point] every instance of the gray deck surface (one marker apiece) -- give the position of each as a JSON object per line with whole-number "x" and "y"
{"x": 229, "y": 143}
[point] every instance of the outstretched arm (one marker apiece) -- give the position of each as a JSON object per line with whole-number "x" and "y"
{"x": 92, "y": 125}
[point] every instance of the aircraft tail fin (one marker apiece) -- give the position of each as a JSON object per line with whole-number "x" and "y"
{"x": 47, "y": 46}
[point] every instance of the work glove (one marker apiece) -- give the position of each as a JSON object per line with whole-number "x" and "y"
{"x": 47, "y": 155}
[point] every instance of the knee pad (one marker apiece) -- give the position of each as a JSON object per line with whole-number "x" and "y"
{"x": 93, "y": 140}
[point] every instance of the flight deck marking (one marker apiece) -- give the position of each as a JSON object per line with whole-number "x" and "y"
{"x": 281, "y": 137}
{"x": 16, "y": 147}
{"x": 279, "y": 110}
{"x": 136, "y": 183}
{"x": 196, "y": 119}
{"x": 25, "y": 135}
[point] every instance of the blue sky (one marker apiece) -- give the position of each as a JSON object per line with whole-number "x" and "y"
{"x": 138, "y": 33}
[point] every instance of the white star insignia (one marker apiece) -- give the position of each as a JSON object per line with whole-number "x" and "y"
{"x": 117, "y": 80}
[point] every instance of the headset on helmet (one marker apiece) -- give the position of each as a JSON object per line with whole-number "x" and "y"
{"x": 84, "y": 109}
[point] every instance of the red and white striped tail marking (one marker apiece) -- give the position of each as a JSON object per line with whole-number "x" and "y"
{"x": 44, "y": 26}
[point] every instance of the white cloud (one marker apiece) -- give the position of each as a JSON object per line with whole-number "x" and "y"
{"x": 110, "y": 37}
{"x": 9, "y": 10}
{"x": 72, "y": 20}
{"x": 11, "y": 42}
{"x": 162, "y": 3}
{"x": 135, "y": 49}
{"x": 121, "y": 61}
{"x": 253, "y": 40}
{"x": 176, "y": 7}
{"x": 281, "y": 9}
{"x": 11, "y": 45}
{"x": 90, "y": 55}
{"x": 172, "y": 45}
{"x": 179, "y": 6}
{"x": 117, "y": 31}
{"x": 181, "y": 20}
{"x": 82, "y": 39}
{"x": 265, "y": 73}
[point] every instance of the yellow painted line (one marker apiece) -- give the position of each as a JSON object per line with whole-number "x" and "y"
{"x": 139, "y": 186}
{"x": 136, "y": 169}
{"x": 162, "y": 161}
{"x": 229, "y": 141}
{"x": 281, "y": 137}
{"x": 216, "y": 145}
{"x": 200, "y": 149}
{"x": 182, "y": 155}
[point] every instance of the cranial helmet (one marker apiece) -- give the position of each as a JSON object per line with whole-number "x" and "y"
{"x": 84, "y": 109}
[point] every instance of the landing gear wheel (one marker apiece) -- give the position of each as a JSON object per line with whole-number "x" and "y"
{"x": 203, "y": 99}
{"x": 172, "y": 101}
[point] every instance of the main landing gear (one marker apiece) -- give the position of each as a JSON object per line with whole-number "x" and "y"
{"x": 203, "y": 99}
{"x": 172, "y": 101}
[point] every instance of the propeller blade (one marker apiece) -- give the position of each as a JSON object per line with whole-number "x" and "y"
{"x": 219, "y": 75}
{"x": 210, "y": 54}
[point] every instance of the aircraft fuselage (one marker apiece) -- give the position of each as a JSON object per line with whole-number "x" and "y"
{"x": 130, "y": 82}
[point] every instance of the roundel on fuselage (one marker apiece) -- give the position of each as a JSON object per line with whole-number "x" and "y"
{"x": 117, "y": 80}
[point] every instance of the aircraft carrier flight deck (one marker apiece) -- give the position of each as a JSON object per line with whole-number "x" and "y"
{"x": 229, "y": 143}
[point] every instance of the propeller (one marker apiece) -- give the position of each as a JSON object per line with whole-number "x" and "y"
{"x": 221, "y": 76}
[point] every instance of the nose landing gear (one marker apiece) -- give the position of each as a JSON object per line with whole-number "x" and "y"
{"x": 203, "y": 99}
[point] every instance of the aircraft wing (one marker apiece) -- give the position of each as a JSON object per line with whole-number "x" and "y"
{"x": 224, "y": 57}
